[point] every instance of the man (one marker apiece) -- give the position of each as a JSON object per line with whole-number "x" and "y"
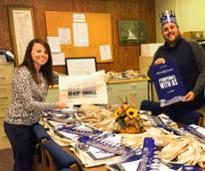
{"x": 190, "y": 58}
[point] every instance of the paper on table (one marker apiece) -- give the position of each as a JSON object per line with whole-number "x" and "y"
{"x": 130, "y": 166}
{"x": 165, "y": 168}
{"x": 69, "y": 135}
{"x": 114, "y": 138}
{"x": 98, "y": 153}
{"x": 88, "y": 89}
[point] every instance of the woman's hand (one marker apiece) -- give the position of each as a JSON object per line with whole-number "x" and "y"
{"x": 160, "y": 61}
{"x": 61, "y": 105}
{"x": 189, "y": 96}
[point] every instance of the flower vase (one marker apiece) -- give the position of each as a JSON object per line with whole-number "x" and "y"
{"x": 129, "y": 130}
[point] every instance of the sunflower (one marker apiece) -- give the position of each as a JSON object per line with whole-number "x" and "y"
{"x": 118, "y": 112}
{"x": 131, "y": 113}
{"x": 125, "y": 106}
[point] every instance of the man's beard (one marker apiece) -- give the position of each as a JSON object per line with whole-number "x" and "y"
{"x": 172, "y": 43}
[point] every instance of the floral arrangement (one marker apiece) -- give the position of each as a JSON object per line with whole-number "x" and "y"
{"x": 128, "y": 119}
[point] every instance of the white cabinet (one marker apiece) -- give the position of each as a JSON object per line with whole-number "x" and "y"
{"x": 53, "y": 94}
{"x": 135, "y": 91}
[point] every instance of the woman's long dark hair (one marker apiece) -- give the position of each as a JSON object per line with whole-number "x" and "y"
{"x": 46, "y": 69}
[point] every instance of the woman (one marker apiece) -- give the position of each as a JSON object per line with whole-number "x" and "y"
{"x": 29, "y": 89}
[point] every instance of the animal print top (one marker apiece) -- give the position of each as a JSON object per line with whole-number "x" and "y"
{"x": 28, "y": 98}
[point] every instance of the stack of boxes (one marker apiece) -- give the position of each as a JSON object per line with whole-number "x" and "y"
{"x": 147, "y": 52}
{"x": 194, "y": 35}
{"x": 6, "y": 72}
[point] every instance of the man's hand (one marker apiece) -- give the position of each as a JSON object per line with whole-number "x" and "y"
{"x": 160, "y": 61}
{"x": 189, "y": 96}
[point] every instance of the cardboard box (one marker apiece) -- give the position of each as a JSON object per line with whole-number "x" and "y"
{"x": 144, "y": 63}
{"x": 149, "y": 49}
{"x": 6, "y": 72}
{"x": 194, "y": 35}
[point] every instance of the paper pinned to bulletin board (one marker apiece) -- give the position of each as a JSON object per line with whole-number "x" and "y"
{"x": 81, "y": 34}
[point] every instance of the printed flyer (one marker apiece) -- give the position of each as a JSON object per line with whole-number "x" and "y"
{"x": 87, "y": 89}
{"x": 168, "y": 83}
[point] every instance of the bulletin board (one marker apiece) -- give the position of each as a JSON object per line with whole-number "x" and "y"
{"x": 99, "y": 33}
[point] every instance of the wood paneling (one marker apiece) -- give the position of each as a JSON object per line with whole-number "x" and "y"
{"x": 124, "y": 57}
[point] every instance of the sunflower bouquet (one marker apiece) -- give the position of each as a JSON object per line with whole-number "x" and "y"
{"x": 128, "y": 119}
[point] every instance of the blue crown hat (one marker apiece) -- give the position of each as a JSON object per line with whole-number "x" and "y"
{"x": 167, "y": 17}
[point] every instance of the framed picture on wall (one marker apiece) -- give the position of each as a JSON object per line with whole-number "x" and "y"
{"x": 132, "y": 32}
{"x": 21, "y": 21}
{"x": 81, "y": 66}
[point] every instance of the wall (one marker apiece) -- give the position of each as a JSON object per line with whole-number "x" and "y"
{"x": 159, "y": 7}
{"x": 125, "y": 57}
{"x": 190, "y": 14}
